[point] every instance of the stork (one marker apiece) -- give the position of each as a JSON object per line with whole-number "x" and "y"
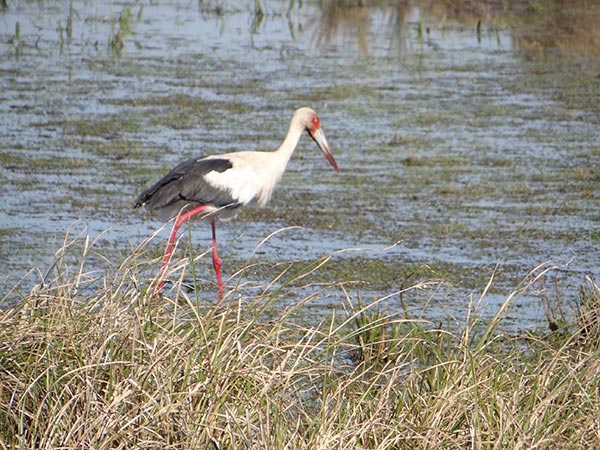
{"x": 217, "y": 186}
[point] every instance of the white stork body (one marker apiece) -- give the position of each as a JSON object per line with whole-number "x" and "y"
{"x": 218, "y": 185}
{"x": 252, "y": 178}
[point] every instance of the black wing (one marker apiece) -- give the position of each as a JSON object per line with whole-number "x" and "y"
{"x": 185, "y": 182}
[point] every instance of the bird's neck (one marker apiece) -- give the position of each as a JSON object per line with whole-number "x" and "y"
{"x": 287, "y": 147}
{"x": 274, "y": 163}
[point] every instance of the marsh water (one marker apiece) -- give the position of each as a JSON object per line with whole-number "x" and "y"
{"x": 468, "y": 142}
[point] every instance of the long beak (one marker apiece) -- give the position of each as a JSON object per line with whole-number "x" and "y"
{"x": 319, "y": 137}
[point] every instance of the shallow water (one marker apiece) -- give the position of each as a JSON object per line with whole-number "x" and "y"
{"x": 473, "y": 151}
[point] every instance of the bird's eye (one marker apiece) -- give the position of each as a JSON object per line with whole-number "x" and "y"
{"x": 315, "y": 122}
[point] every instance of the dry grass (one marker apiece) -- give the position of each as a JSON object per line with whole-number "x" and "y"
{"x": 92, "y": 361}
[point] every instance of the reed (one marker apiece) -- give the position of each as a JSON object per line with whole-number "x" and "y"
{"x": 91, "y": 360}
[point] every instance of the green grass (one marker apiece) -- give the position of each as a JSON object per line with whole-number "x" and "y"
{"x": 94, "y": 360}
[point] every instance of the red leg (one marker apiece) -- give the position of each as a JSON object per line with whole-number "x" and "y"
{"x": 180, "y": 220}
{"x": 216, "y": 260}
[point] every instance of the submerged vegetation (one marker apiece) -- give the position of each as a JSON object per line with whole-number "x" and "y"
{"x": 467, "y": 155}
{"x": 91, "y": 360}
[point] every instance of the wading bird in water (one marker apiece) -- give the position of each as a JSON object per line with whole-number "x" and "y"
{"x": 217, "y": 186}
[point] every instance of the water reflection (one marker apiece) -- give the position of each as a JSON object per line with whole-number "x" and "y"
{"x": 369, "y": 27}
{"x": 561, "y": 28}
{"x": 545, "y": 28}
{"x": 569, "y": 30}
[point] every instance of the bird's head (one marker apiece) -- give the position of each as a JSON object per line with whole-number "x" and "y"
{"x": 311, "y": 123}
